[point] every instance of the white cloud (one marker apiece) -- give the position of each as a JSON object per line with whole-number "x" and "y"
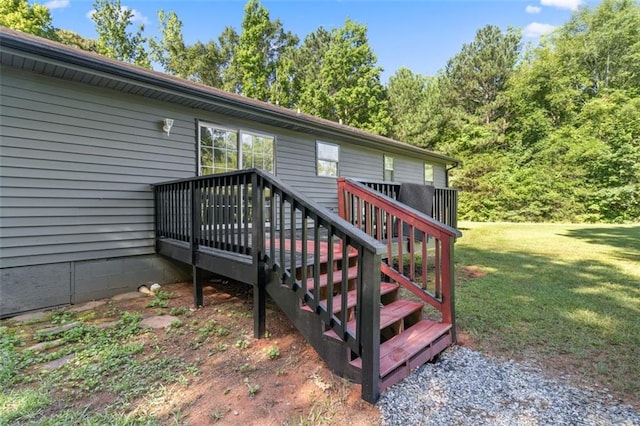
{"x": 562, "y": 4}
{"x": 57, "y": 4}
{"x": 532, "y": 9}
{"x": 136, "y": 16}
{"x": 536, "y": 29}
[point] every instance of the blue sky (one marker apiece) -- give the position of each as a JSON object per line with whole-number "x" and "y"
{"x": 418, "y": 34}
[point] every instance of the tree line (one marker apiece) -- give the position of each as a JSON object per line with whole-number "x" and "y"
{"x": 546, "y": 132}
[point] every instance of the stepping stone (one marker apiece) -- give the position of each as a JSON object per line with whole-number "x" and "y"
{"x": 45, "y": 345}
{"x": 54, "y": 365}
{"x": 56, "y": 330}
{"x": 87, "y": 306}
{"x": 108, "y": 324}
{"x": 127, "y": 296}
{"x": 30, "y": 316}
{"x": 158, "y": 321}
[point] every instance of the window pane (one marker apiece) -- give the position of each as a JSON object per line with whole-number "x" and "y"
{"x": 257, "y": 151}
{"x": 328, "y": 152}
{"x": 388, "y": 162}
{"x": 327, "y": 168}
{"x": 218, "y": 150}
{"x": 428, "y": 173}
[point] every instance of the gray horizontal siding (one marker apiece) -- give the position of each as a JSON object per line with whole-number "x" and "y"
{"x": 296, "y": 165}
{"x": 76, "y": 167}
{"x": 360, "y": 163}
{"x": 439, "y": 175}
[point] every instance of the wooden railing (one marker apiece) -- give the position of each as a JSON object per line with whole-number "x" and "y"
{"x": 445, "y": 200}
{"x": 405, "y": 231}
{"x": 252, "y": 213}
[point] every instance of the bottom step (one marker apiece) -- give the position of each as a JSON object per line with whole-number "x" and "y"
{"x": 410, "y": 349}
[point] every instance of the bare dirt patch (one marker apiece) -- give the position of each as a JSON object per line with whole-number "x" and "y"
{"x": 236, "y": 379}
{"x": 472, "y": 272}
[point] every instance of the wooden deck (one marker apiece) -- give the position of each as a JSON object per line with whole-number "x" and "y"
{"x": 336, "y": 278}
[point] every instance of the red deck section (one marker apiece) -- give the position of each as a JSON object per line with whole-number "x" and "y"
{"x": 311, "y": 248}
{"x": 402, "y": 348}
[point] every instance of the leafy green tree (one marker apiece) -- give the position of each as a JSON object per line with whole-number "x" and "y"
{"x": 256, "y": 56}
{"x": 112, "y": 21}
{"x": 74, "y": 39}
{"x": 29, "y": 18}
{"x": 406, "y": 92}
{"x": 601, "y": 46}
{"x": 170, "y": 51}
{"x": 340, "y": 80}
{"x": 478, "y": 74}
{"x": 230, "y": 72}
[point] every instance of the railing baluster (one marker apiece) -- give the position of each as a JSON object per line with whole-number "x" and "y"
{"x": 316, "y": 265}
{"x": 412, "y": 260}
{"x": 283, "y": 240}
{"x": 272, "y": 223}
{"x": 304, "y": 261}
{"x": 425, "y": 261}
{"x": 438, "y": 270}
{"x": 292, "y": 220}
{"x": 330, "y": 273}
{"x": 344, "y": 311}
{"x": 247, "y": 192}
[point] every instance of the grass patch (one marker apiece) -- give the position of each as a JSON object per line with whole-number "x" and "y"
{"x": 113, "y": 362}
{"x": 568, "y": 295}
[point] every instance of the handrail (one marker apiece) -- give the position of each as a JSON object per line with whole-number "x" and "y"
{"x": 394, "y": 223}
{"x": 445, "y": 199}
{"x": 288, "y": 236}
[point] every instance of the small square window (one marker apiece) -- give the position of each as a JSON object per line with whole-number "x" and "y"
{"x": 328, "y": 159}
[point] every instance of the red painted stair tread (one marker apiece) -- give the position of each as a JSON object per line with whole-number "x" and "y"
{"x": 399, "y": 349}
{"x": 397, "y": 310}
{"x": 337, "y": 277}
{"x": 389, "y": 314}
{"x": 352, "y": 297}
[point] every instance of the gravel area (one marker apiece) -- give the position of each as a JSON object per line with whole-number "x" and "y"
{"x": 465, "y": 387}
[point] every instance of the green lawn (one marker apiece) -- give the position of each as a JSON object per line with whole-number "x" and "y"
{"x": 564, "y": 296}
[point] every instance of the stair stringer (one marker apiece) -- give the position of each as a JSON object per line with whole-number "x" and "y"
{"x": 334, "y": 352}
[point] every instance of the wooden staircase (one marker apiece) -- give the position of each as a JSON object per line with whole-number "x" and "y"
{"x": 340, "y": 279}
{"x": 408, "y": 338}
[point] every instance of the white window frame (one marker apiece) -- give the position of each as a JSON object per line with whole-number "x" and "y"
{"x": 385, "y": 169}
{"x": 433, "y": 173}
{"x": 326, "y": 159}
{"x": 239, "y": 132}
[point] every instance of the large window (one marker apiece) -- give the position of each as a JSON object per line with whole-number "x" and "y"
{"x": 221, "y": 150}
{"x": 428, "y": 174}
{"x": 328, "y": 156}
{"x": 388, "y": 168}
{"x": 257, "y": 151}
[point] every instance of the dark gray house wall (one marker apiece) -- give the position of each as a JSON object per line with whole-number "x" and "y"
{"x": 81, "y": 144}
{"x": 76, "y": 211}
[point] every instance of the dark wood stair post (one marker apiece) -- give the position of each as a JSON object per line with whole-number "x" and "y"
{"x": 257, "y": 252}
{"x": 369, "y": 328}
{"x": 193, "y": 243}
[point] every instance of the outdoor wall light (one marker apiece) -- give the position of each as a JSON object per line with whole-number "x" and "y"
{"x": 167, "y": 124}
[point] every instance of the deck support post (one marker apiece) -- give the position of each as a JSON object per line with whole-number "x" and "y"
{"x": 451, "y": 316}
{"x": 369, "y": 329}
{"x": 259, "y": 309}
{"x": 257, "y": 252}
{"x": 194, "y": 231}
{"x": 198, "y": 298}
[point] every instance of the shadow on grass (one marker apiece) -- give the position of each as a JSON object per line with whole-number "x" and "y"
{"x": 583, "y": 317}
{"x": 625, "y": 239}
